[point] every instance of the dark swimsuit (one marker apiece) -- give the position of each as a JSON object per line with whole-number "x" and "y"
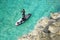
{"x": 23, "y": 15}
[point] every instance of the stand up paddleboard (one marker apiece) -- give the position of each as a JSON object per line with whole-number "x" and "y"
{"x": 20, "y": 21}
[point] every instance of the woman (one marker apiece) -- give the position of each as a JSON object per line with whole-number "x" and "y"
{"x": 23, "y": 15}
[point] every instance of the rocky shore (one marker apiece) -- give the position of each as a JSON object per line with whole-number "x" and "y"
{"x": 45, "y": 29}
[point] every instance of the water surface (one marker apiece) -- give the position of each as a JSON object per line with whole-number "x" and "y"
{"x": 10, "y": 12}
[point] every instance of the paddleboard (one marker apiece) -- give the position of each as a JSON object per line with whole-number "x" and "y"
{"x": 21, "y": 21}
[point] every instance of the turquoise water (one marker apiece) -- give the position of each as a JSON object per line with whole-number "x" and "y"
{"x": 10, "y": 12}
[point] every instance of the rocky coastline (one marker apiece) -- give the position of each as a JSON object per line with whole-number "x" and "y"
{"x": 45, "y": 29}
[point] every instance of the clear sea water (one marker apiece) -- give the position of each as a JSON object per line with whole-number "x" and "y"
{"x": 10, "y": 12}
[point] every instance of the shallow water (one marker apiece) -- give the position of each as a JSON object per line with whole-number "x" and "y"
{"x": 10, "y": 12}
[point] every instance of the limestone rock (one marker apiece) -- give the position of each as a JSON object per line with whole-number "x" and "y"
{"x": 55, "y": 27}
{"x": 45, "y": 24}
{"x": 55, "y": 15}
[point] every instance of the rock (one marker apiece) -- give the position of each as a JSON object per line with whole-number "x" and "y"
{"x": 55, "y": 36}
{"x": 47, "y": 26}
{"x": 55, "y": 27}
{"x": 45, "y": 29}
{"x": 58, "y": 33}
{"x": 44, "y": 22}
{"x": 34, "y": 32}
{"x": 55, "y": 15}
{"x": 39, "y": 27}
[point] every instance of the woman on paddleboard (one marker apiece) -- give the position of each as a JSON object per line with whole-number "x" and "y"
{"x": 23, "y": 15}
